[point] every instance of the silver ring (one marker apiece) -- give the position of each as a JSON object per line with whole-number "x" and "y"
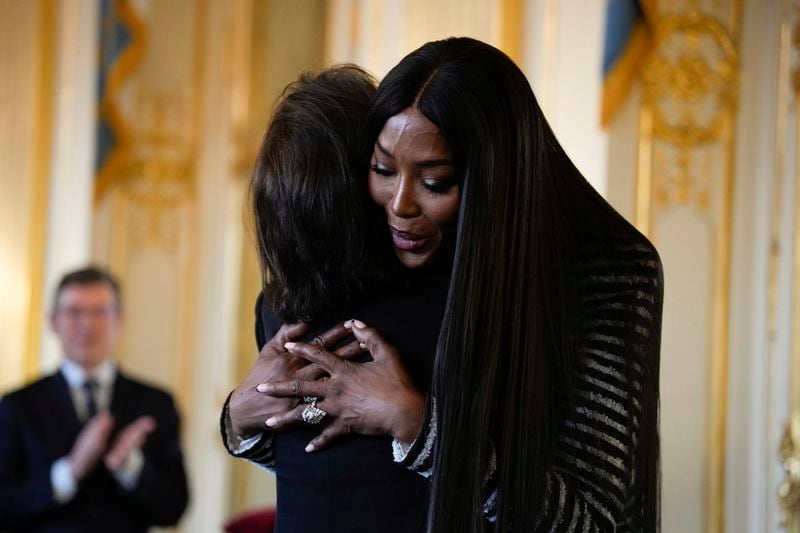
{"x": 312, "y": 414}
{"x": 310, "y": 399}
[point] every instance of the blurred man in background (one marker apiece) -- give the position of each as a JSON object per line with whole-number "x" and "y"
{"x": 88, "y": 448}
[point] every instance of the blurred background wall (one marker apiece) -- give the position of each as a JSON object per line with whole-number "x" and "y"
{"x": 128, "y": 140}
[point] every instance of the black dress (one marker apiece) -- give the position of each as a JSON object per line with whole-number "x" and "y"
{"x": 354, "y": 485}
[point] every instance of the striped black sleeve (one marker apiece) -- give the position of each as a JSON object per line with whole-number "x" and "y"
{"x": 260, "y": 452}
{"x": 591, "y": 485}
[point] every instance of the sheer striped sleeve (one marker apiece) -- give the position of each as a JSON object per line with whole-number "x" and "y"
{"x": 593, "y": 483}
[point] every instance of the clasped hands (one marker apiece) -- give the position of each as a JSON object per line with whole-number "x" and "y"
{"x": 373, "y": 398}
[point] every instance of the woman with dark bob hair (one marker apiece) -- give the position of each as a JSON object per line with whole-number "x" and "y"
{"x": 542, "y": 413}
{"x": 326, "y": 255}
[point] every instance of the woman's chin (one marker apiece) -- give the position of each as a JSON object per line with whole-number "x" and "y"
{"x": 414, "y": 259}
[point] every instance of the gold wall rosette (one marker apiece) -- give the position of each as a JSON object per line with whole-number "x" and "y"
{"x": 159, "y": 177}
{"x": 691, "y": 86}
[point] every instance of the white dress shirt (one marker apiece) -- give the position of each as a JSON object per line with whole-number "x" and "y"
{"x": 65, "y": 486}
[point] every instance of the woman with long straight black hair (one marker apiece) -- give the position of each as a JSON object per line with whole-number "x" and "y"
{"x": 543, "y": 407}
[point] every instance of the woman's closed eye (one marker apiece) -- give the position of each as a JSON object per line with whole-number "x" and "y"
{"x": 432, "y": 185}
{"x": 381, "y": 171}
{"x": 438, "y": 186}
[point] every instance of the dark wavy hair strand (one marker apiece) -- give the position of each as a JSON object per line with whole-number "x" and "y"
{"x": 321, "y": 241}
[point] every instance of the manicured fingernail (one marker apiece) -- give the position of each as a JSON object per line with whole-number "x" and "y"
{"x": 262, "y": 387}
{"x": 272, "y": 421}
{"x": 310, "y": 448}
{"x": 348, "y": 324}
{"x": 290, "y": 345}
{"x": 362, "y": 345}
{"x": 359, "y": 324}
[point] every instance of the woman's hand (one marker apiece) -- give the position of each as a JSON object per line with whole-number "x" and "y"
{"x": 371, "y": 398}
{"x": 249, "y": 410}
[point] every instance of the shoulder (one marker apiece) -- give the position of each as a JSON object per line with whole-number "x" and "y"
{"x": 28, "y": 392}
{"x": 623, "y": 258}
{"x": 619, "y": 287}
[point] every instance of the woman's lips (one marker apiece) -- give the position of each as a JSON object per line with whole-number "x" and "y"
{"x": 408, "y": 241}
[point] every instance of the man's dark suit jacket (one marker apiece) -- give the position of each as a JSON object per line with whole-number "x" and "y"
{"x": 38, "y": 424}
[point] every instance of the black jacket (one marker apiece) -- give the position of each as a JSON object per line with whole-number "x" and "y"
{"x": 38, "y": 425}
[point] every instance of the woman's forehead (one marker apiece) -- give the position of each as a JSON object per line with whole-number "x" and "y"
{"x": 411, "y": 130}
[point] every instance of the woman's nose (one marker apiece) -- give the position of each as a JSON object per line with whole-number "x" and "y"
{"x": 404, "y": 203}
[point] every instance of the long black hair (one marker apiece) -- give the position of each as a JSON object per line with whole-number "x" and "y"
{"x": 320, "y": 242}
{"x": 509, "y": 346}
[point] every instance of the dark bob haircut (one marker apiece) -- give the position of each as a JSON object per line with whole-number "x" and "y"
{"x": 321, "y": 241}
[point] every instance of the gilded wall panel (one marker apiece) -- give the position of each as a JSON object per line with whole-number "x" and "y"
{"x": 144, "y": 209}
{"x": 376, "y": 34}
{"x": 27, "y": 61}
{"x": 685, "y": 176}
{"x": 787, "y": 158}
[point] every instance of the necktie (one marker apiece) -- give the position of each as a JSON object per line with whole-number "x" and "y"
{"x": 89, "y": 387}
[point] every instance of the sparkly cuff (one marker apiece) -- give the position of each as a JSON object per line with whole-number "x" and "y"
{"x": 236, "y": 444}
{"x": 400, "y": 450}
{"x": 418, "y": 455}
{"x": 258, "y": 449}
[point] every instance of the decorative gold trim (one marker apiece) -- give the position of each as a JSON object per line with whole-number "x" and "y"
{"x": 779, "y": 178}
{"x": 719, "y": 344}
{"x": 550, "y": 36}
{"x": 42, "y": 159}
{"x": 242, "y": 66}
{"x": 355, "y": 26}
{"x": 720, "y": 340}
{"x": 125, "y": 65}
{"x": 241, "y": 47}
{"x": 618, "y": 80}
{"x": 788, "y": 490}
{"x": 512, "y": 17}
{"x": 795, "y": 353}
{"x": 791, "y": 80}
{"x": 644, "y": 175}
{"x": 679, "y": 78}
{"x": 184, "y": 370}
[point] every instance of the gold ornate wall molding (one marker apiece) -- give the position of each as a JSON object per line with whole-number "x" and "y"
{"x": 690, "y": 87}
{"x": 512, "y": 17}
{"x": 29, "y": 63}
{"x": 685, "y": 162}
{"x": 159, "y": 179}
{"x": 145, "y": 220}
{"x": 42, "y": 150}
{"x": 787, "y": 156}
{"x": 109, "y": 106}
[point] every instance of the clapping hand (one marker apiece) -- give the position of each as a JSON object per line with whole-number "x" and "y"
{"x": 130, "y": 438}
{"x": 373, "y": 398}
{"x": 92, "y": 443}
